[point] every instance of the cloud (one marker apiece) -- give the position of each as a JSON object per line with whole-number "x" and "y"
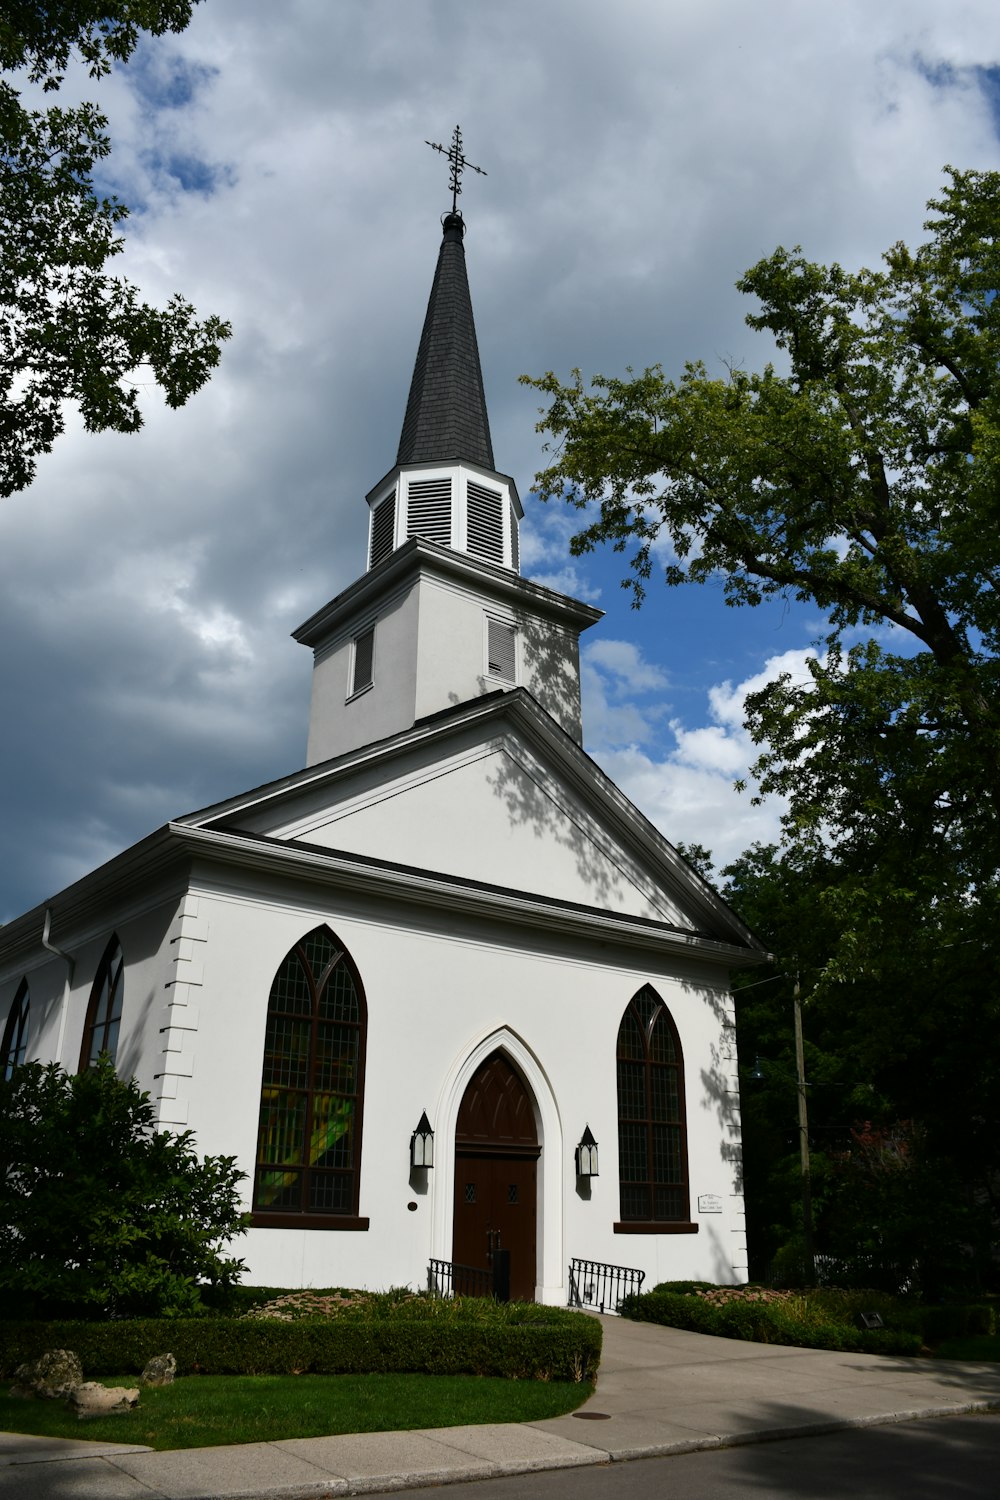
{"x": 274, "y": 157}
{"x": 682, "y": 777}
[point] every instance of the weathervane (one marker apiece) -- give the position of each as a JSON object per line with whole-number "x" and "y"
{"x": 459, "y": 162}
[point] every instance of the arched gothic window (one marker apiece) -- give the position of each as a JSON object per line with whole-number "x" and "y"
{"x": 15, "y": 1033}
{"x": 312, "y": 1091}
{"x": 104, "y": 1012}
{"x": 652, "y": 1134}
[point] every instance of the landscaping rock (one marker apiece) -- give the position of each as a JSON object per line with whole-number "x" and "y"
{"x": 95, "y": 1400}
{"x": 160, "y": 1370}
{"x": 53, "y": 1376}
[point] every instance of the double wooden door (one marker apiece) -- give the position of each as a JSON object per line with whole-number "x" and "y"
{"x": 496, "y": 1171}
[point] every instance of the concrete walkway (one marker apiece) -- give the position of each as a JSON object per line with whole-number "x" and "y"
{"x": 659, "y": 1391}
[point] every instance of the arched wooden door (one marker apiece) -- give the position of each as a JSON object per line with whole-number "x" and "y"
{"x": 496, "y": 1165}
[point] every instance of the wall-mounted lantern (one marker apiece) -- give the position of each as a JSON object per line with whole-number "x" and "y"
{"x": 422, "y": 1144}
{"x": 586, "y": 1155}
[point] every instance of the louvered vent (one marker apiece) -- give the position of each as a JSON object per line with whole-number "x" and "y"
{"x": 364, "y": 660}
{"x": 485, "y": 523}
{"x": 383, "y": 530}
{"x": 515, "y": 551}
{"x": 500, "y": 648}
{"x": 428, "y": 512}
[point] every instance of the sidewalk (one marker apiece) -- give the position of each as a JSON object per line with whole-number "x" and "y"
{"x": 659, "y": 1391}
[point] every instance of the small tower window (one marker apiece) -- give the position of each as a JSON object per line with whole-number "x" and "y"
{"x": 428, "y": 510}
{"x": 501, "y": 650}
{"x": 485, "y": 523}
{"x": 364, "y": 660}
{"x": 515, "y": 551}
{"x": 383, "y": 530}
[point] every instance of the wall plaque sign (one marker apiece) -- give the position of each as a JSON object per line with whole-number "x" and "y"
{"x": 709, "y": 1203}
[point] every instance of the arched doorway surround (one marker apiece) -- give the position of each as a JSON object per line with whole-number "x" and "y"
{"x": 550, "y": 1268}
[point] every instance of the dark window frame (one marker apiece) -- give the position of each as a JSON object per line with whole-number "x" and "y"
{"x": 642, "y": 1111}
{"x": 105, "y": 1007}
{"x": 297, "y": 967}
{"x": 15, "y": 1033}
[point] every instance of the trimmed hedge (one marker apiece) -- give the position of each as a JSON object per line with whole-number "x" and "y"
{"x": 763, "y": 1323}
{"x": 553, "y": 1344}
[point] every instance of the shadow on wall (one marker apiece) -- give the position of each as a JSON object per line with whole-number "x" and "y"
{"x": 551, "y": 662}
{"x": 720, "y": 1082}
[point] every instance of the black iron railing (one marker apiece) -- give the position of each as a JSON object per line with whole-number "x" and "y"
{"x": 447, "y": 1279}
{"x": 593, "y": 1283}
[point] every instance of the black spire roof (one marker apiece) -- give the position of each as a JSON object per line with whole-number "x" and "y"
{"x": 446, "y": 412}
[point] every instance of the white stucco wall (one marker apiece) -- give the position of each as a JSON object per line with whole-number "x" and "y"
{"x": 58, "y": 1009}
{"x": 443, "y": 989}
{"x": 438, "y": 999}
{"x": 431, "y": 653}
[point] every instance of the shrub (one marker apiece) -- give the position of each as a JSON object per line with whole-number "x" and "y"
{"x": 956, "y": 1321}
{"x": 519, "y": 1341}
{"x": 99, "y": 1212}
{"x": 766, "y": 1317}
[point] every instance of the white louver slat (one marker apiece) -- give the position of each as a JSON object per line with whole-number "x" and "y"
{"x": 428, "y": 510}
{"x": 485, "y": 523}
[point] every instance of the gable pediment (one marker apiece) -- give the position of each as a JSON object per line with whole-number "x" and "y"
{"x": 498, "y": 795}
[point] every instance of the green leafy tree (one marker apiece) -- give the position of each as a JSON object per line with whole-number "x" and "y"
{"x": 860, "y": 476}
{"x": 902, "y": 1084}
{"x": 71, "y": 331}
{"x": 99, "y": 1212}
{"x": 863, "y": 480}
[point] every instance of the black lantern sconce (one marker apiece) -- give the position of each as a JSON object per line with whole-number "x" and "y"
{"x": 586, "y": 1155}
{"x": 422, "y": 1144}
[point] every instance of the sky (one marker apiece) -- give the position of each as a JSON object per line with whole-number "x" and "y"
{"x": 638, "y": 157}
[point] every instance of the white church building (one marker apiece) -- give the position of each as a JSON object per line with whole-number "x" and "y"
{"x": 449, "y": 934}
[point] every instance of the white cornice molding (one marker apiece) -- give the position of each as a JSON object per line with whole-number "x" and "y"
{"x": 174, "y": 848}
{"x": 443, "y": 466}
{"x": 442, "y": 892}
{"x": 421, "y": 556}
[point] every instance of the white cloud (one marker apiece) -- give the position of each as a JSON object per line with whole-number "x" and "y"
{"x": 280, "y": 178}
{"x": 623, "y": 663}
{"x": 687, "y": 787}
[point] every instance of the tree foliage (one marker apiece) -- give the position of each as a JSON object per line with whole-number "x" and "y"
{"x": 100, "y": 1212}
{"x": 902, "y": 1051}
{"x": 864, "y": 481}
{"x": 70, "y": 331}
{"x": 860, "y": 474}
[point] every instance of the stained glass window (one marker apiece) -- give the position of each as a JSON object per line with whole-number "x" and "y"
{"x": 104, "y": 1012}
{"x": 652, "y": 1141}
{"x": 309, "y": 1138}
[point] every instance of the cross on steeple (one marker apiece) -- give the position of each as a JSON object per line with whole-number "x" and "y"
{"x": 458, "y": 161}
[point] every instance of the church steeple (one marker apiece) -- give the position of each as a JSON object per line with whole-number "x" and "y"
{"x": 446, "y": 415}
{"x": 444, "y": 487}
{"x": 442, "y": 616}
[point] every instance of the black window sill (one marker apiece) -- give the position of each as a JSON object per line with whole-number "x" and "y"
{"x": 652, "y": 1226}
{"x": 306, "y": 1221}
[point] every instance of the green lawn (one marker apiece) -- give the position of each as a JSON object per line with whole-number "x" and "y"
{"x": 204, "y": 1410}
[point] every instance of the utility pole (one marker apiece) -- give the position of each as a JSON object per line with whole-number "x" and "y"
{"x": 804, "y": 1161}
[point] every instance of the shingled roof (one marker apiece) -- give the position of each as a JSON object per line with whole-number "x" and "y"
{"x": 446, "y": 411}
